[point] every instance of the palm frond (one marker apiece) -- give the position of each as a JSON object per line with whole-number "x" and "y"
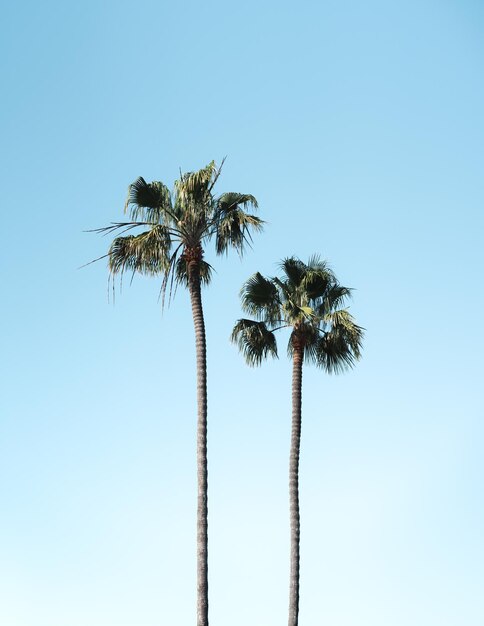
{"x": 343, "y": 320}
{"x": 254, "y": 340}
{"x": 340, "y": 347}
{"x": 232, "y": 224}
{"x": 232, "y": 200}
{"x": 317, "y": 264}
{"x": 260, "y": 298}
{"x": 119, "y": 227}
{"x": 194, "y": 186}
{"x": 194, "y": 204}
{"x": 294, "y": 270}
{"x": 147, "y": 253}
{"x": 148, "y": 201}
{"x": 333, "y": 354}
{"x": 169, "y": 276}
{"x": 335, "y": 296}
{"x": 234, "y": 230}
{"x": 316, "y": 282}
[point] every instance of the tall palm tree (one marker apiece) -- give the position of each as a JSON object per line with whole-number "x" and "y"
{"x": 171, "y": 230}
{"x": 307, "y": 300}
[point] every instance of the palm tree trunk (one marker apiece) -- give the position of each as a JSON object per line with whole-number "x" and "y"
{"x": 202, "y": 468}
{"x": 297, "y": 360}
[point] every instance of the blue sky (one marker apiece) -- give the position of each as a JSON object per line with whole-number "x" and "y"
{"x": 359, "y": 128}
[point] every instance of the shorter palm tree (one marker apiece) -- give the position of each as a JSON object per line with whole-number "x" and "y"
{"x": 307, "y": 300}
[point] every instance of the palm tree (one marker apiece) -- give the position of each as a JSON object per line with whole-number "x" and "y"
{"x": 307, "y": 300}
{"x": 174, "y": 229}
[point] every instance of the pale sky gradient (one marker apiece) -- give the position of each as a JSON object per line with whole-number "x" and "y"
{"x": 359, "y": 127}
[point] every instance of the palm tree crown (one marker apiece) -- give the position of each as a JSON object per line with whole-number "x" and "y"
{"x": 177, "y": 224}
{"x": 307, "y": 299}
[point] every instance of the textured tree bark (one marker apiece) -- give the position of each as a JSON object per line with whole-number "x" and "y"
{"x": 297, "y": 360}
{"x": 202, "y": 467}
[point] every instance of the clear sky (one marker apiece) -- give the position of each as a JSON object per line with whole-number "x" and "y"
{"x": 359, "y": 127}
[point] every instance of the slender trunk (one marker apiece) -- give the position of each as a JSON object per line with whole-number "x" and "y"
{"x": 294, "y": 483}
{"x": 202, "y": 468}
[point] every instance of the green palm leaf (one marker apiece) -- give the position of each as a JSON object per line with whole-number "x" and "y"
{"x": 294, "y": 270}
{"x": 232, "y": 224}
{"x": 334, "y": 297}
{"x": 333, "y": 354}
{"x": 148, "y": 201}
{"x": 254, "y": 340}
{"x": 260, "y": 298}
{"x": 195, "y": 187}
{"x": 146, "y": 253}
